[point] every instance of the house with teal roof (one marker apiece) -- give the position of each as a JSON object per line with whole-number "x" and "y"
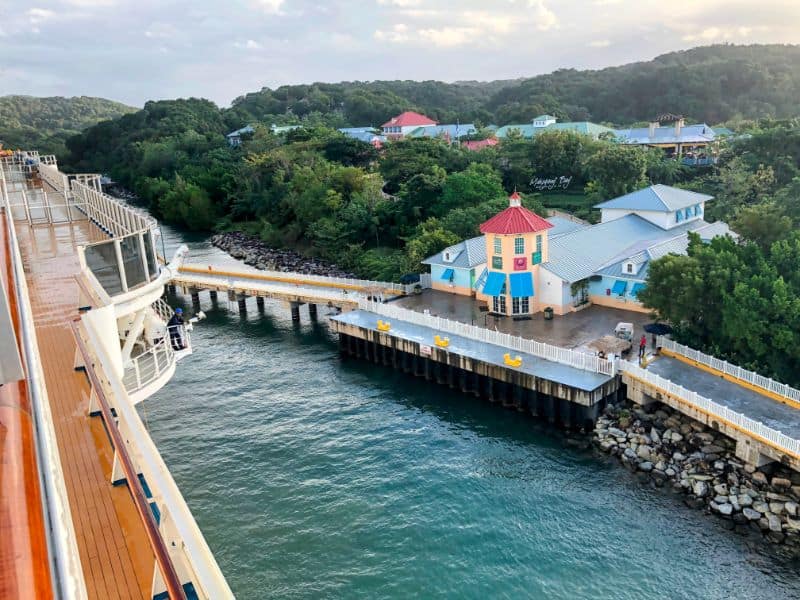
{"x": 549, "y": 123}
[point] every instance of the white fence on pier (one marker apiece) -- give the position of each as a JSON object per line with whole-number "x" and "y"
{"x": 775, "y": 438}
{"x": 723, "y": 366}
{"x": 573, "y": 358}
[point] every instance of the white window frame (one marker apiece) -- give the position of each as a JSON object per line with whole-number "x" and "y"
{"x": 519, "y": 246}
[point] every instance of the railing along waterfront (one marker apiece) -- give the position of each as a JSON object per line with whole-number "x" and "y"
{"x": 63, "y": 549}
{"x": 723, "y": 366}
{"x": 772, "y": 437}
{"x": 345, "y": 283}
{"x": 572, "y": 358}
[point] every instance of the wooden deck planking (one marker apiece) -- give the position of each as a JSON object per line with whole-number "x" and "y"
{"x": 116, "y": 556}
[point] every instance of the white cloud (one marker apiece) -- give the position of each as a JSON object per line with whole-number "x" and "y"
{"x": 400, "y": 3}
{"x": 544, "y": 17}
{"x": 38, "y": 15}
{"x": 271, "y": 7}
{"x": 497, "y": 23}
{"x": 717, "y": 34}
{"x": 396, "y": 35}
{"x": 162, "y": 31}
{"x": 600, "y": 44}
{"x": 248, "y": 45}
{"x": 449, "y": 36}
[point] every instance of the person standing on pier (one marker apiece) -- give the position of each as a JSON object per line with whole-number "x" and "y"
{"x": 642, "y": 346}
{"x": 174, "y": 326}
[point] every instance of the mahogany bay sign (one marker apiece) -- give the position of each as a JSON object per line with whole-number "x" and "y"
{"x": 541, "y": 184}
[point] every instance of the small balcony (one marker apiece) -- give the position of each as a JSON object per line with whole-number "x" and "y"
{"x": 154, "y": 355}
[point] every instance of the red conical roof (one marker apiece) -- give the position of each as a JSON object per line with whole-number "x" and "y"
{"x": 515, "y": 219}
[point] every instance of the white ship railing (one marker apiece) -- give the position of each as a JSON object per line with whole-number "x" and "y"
{"x": 573, "y": 358}
{"x": 68, "y": 573}
{"x": 772, "y": 437}
{"x": 735, "y": 371}
{"x": 188, "y": 549}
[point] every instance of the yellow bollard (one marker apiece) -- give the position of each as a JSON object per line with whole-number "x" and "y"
{"x": 512, "y": 362}
{"x": 440, "y": 341}
{"x": 384, "y": 325}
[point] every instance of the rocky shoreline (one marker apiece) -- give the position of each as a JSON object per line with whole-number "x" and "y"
{"x": 665, "y": 448}
{"x": 257, "y": 254}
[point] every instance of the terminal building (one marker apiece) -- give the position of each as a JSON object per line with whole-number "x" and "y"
{"x": 524, "y": 263}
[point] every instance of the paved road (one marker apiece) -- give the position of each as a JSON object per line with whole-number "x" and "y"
{"x": 779, "y": 416}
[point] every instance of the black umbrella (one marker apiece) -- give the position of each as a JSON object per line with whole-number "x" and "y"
{"x": 657, "y": 328}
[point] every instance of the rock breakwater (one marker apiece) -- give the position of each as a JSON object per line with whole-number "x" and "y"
{"x": 257, "y": 254}
{"x": 666, "y": 448}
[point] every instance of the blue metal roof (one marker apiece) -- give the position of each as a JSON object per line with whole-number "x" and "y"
{"x": 562, "y": 225}
{"x": 494, "y": 283}
{"x": 521, "y": 285}
{"x": 659, "y": 197}
{"x": 467, "y": 254}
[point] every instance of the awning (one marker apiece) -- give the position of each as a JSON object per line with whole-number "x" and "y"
{"x": 619, "y": 287}
{"x": 447, "y": 275}
{"x": 494, "y": 283}
{"x": 637, "y": 287}
{"x": 521, "y": 285}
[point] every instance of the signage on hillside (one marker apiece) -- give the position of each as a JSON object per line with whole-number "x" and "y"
{"x": 541, "y": 184}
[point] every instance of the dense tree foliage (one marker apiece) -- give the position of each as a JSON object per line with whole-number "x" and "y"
{"x": 712, "y": 84}
{"x": 742, "y": 300}
{"x": 44, "y": 123}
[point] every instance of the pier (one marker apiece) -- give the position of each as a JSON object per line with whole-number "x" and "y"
{"x": 566, "y": 387}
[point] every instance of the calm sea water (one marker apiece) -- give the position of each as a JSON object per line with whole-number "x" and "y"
{"x": 317, "y": 478}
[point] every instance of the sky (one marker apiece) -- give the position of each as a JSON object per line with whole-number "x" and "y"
{"x": 134, "y": 51}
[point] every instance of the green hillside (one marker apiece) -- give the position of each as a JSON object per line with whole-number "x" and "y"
{"x": 45, "y": 123}
{"x": 712, "y": 84}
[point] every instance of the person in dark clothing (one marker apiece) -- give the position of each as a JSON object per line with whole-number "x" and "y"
{"x": 174, "y": 326}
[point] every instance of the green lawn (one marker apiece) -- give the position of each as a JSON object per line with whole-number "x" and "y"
{"x": 572, "y": 202}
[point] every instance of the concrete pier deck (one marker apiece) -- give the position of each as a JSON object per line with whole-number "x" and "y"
{"x": 482, "y": 351}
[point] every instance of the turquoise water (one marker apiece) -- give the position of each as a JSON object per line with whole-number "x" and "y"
{"x": 317, "y": 478}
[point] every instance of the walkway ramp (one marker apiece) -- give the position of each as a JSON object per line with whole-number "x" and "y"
{"x": 292, "y": 287}
{"x": 759, "y": 407}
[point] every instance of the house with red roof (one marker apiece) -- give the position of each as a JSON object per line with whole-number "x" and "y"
{"x": 516, "y": 244}
{"x": 404, "y": 123}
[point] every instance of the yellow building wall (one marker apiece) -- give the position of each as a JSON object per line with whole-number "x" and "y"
{"x": 443, "y": 286}
{"x": 614, "y": 301}
{"x": 508, "y": 254}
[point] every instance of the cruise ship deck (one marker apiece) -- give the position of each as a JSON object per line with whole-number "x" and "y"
{"x": 88, "y": 508}
{"x": 115, "y": 554}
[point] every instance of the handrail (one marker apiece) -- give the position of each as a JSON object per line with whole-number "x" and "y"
{"x": 549, "y": 352}
{"x": 163, "y": 560}
{"x": 150, "y": 364}
{"x": 346, "y": 283}
{"x": 723, "y": 366}
{"x": 64, "y": 555}
{"x": 26, "y": 565}
{"x": 767, "y": 435}
{"x": 179, "y": 527}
